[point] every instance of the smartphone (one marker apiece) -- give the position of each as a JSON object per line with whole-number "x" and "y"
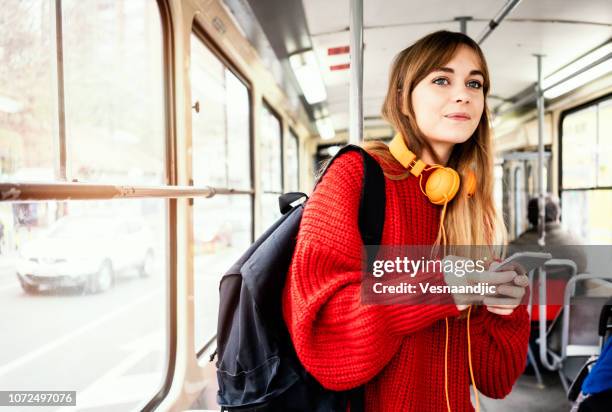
{"x": 528, "y": 260}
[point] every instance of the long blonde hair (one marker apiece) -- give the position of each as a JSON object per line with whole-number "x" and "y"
{"x": 468, "y": 221}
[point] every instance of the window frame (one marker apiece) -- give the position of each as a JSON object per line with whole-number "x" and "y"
{"x": 207, "y": 41}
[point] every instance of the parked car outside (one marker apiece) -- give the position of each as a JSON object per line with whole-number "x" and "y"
{"x": 86, "y": 252}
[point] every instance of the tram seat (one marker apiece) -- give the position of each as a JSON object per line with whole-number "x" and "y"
{"x": 573, "y": 336}
{"x": 558, "y": 272}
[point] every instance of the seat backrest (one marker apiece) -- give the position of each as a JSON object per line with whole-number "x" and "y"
{"x": 584, "y": 322}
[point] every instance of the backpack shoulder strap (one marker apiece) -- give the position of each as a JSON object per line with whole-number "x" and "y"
{"x": 373, "y": 201}
{"x": 373, "y": 197}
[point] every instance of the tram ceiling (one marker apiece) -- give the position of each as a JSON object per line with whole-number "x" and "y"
{"x": 563, "y": 30}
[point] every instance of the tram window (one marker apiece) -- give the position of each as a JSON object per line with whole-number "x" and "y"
{"x": 221, "y": 138}
{"x": 292, "y": 163}
{"x": 28, "y": 91}
{"x": 113, "y": 74}
{"x": 580, "y": 149}
{"x": 587, "y": 213}
{"x": 271, "y": 166}
{"x": 604, "y": 166}
{"x": 222, "y": 225}
{"x": 587, "y": 174}
{"x": 238, "y": 120}
{"x": 85, "y": 300}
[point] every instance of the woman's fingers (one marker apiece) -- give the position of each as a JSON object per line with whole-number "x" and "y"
{"x": 510, "y": 291}
{"x": 496, "y": 300}
{"x": 513, "y": 266}
{"x": 521, "y": 280}
{"x": 500, "y": 311}
{"x": 517, "y": 267}
{"x": 492, "y": 278}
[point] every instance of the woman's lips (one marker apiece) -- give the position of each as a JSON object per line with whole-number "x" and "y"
{"x": 458, "y": 116}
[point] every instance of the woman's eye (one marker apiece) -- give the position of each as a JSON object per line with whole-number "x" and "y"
{"x": 474, "y": 84}
{"x": 441, "y": 81}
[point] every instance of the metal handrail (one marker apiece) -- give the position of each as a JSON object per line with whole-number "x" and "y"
{"x": 505, "y": 10}
{"x": 11, "y": 192}
{"x": 556, "y": 360}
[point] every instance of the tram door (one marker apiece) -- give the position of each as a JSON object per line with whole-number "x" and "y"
{"x": 520, "y": 183}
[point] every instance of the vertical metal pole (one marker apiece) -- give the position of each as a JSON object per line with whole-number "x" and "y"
{"x": 356, "y": 91}
{"x": 61, "y": 107}
{"x": 541, "y": 215}
{"x": 463, "y": 23}
{"x": 541, "y": 184}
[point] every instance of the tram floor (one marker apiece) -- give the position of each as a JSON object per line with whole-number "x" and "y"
{"x": 529, "y": 397}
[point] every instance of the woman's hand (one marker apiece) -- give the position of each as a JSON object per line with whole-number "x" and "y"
{"x": 509, "y": 295}
{"x": 503, "y": 280}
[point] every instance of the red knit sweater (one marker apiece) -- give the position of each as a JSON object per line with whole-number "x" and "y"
{"x": 396, "y": 350}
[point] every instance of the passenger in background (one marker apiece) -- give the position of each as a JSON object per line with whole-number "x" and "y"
{"x": 555, "y": 234}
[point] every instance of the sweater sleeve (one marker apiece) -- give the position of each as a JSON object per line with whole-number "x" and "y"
{"x": 342, "y": 342}
{"x": 499, "y": 349}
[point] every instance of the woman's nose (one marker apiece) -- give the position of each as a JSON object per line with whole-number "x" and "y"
{"x": 462, "y": 96}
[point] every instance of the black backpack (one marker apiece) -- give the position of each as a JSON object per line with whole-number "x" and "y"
{"x": 257, "y": 367}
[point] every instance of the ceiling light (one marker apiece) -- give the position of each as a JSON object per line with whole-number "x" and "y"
{"x": 579, "y": 80}
{"x": 551, "y": 81}
{"x": 308, "y": 75}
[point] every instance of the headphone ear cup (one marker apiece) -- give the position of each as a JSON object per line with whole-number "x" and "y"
{"x": 470, "y": 183}
{"x": 442, "y": 185}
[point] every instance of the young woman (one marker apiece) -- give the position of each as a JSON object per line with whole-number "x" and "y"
{"x": 411, "y": 357}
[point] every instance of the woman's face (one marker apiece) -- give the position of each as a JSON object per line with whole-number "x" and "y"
{"x": 449, "y": 101}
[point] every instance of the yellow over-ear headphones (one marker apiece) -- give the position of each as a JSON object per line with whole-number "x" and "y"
{"x": 441, "y": 187}
{"x": 444, "y": 182}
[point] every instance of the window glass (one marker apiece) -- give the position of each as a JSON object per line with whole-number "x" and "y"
{"x": 83, "y": 288}
{"x": 222, "y": 225}
{"x": 604, "y": 164}
{"x": 587, "y": 163}
{"x": 209, "y": 126}
{"x": 270, "y": 149}
{"x": 113, "y": 68}
{"x": 292, "y": 163}
{"x": 271, "y": 166}
{"x": 28, "y": 91}
{"x": 220, "y": 136}
{"x": 238, "y": 132}
{"x": 587, "y": 213}
{"x": 580, "y": 149}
